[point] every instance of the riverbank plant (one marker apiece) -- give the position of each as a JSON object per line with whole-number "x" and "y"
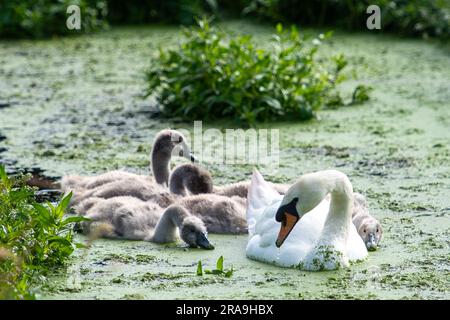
{"x": 34, "y": 238}
{"x": 212, "y": 75}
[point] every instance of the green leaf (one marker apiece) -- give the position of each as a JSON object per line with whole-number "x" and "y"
{"x": 4, "y": 178}
{"x": 60, "y": 240}
{"x": 219, "y": 265}
{"x": 279, "y": 28}
{"x": 62, "y": 205}
{"x": 44, "y": 214}
{"x": 199, "y": 268}
{"x": 229, "y": 273}
{"x": 74, "y": 220}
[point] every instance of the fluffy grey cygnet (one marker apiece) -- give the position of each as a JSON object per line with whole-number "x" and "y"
{"x": 367, "y": 226}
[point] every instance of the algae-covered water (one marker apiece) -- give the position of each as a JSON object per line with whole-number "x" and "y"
{"x": 75, "y": 105}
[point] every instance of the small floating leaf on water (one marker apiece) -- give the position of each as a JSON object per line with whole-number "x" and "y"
{"x": 229, "y": 273}
{"x": 219, "y": 269}
{"x": 199, "y": 269}
{"x": 220, "y": 263}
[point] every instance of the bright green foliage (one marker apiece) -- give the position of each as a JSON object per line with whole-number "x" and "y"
{"x": 218, "y": 271}
{"x": 214, "y": 76}
{"x": 34, "y": 237}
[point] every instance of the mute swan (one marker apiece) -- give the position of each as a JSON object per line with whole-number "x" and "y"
{"x": 134, "y": 219}
{"x": 314, "y": 233}
{"x": 369, "y": 229}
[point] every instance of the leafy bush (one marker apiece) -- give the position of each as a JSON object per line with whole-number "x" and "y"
{"x": 43, "y": 18}
{"x": 409, "y": 17}
{"x": 34, "y": 237}
{"x": 211, "y": 76}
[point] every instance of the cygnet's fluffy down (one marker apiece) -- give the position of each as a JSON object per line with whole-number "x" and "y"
{"x": 134, "y": 219}
{"x": 367, "y": 226}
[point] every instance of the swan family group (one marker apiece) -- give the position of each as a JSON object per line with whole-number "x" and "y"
{"x": 317, "y": 223}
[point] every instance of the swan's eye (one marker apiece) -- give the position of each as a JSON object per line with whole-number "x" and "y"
{"x": 378, "y": 230}
{"x": 364, "y": 230}
{"x": 181, "y": 153}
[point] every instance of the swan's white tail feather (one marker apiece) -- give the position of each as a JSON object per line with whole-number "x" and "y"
{"x": 260, "y": 195}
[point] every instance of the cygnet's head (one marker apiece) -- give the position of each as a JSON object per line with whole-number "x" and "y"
{"x": 371, "y": 232}
{"x": 191, "y": 177}
{"x": 193, "y": 232}
{"x": 172, "y": 143}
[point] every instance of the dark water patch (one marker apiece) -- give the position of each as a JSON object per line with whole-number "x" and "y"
{"x": 4, "y": 105}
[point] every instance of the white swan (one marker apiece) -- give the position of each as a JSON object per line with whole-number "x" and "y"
{"x": 315, "y": 233}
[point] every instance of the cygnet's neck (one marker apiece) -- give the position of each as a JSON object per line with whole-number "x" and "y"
{"x": 166, "y": 228}
{"x": 160, "y": 164}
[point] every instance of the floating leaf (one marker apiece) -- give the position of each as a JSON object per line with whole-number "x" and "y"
{"x": 219, "y": 265}
{"x": 199, "y": 269}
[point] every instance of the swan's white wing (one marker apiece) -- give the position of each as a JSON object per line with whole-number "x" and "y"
{"x": 260, "y": 196}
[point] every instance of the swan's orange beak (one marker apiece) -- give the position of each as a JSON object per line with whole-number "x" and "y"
{"x": 288, "y": 223}
{"x": 288, "y": 216}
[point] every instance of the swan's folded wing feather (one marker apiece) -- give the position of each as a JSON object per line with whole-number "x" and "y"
{"x": 260, "y": 195}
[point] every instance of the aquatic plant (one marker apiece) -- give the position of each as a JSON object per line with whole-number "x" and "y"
{"x": 214, "y": 76}
{"x": 34, "y": 237}
{"x": 218, "y": 271}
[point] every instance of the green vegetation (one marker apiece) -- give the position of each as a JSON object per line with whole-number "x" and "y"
{"x": 217, "y": 271}
{"x": 42, "y": 18}
{"x": 33, "y": 237}
{"x": 213, "y": 76}
{"x": 407, "y": 17}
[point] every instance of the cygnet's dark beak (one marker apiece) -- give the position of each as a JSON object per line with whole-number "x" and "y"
{"x": 371, "y": 242}
{"x": 203, "y": 242}
{"x": 193, "y": 158}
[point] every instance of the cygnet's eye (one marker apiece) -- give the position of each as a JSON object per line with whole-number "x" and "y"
{"x": 180, "y": 153}
{"x": 180, "y": 139}
{"x": 378, "y": 230}
{"x": 364, "y": 230}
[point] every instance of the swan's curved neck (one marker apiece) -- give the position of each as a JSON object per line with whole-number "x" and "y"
{"x": 166, "y": 228}
{"x": 160, "y": 164}
{"x": 339, "y": 219}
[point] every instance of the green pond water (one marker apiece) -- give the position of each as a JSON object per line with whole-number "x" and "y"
{"x": 75, "y": 105}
